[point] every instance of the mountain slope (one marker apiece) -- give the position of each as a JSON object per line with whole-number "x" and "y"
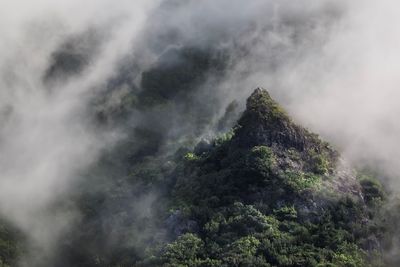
{"x": 269, "y": 193}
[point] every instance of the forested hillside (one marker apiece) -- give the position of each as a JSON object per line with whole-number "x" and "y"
{"x": 266, "y": 193}
{"x": 186, "y": 133}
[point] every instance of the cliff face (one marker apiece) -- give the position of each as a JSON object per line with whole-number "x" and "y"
{"x": 265, "y": 122}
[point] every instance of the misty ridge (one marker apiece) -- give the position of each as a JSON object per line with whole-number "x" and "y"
{"x": 139, "y": 133}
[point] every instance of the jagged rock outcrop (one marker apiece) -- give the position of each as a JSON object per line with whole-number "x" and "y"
{"x": 265, "y": 123}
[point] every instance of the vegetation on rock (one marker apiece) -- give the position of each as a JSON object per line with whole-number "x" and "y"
{"x": 256, "y": 204}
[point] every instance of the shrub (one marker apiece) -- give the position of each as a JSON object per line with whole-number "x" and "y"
{"x": 223, "y": 138}
{"x": 371, "y": 189}
{"x": 300, "y": 181}
{"x": 242, "y": 251}
{"x": 191, "y": 157}
{"x": 320, "y": 164}
{"x": 286, "y": 213}
{"x": 185, "y": 251}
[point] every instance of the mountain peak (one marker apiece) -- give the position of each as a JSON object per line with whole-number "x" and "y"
{"x": 265, "y": 122}
{"x": 261, "y": 102}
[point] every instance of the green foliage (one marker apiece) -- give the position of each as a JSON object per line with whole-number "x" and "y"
{"x": 185, "y": 251}
{"x": 191, "y": 157}
{"x": 294, "y": 154}
{"x": 275, "y": 111}
{"x": 319, "y": 162}
{"x": 223, "y": 138}
{"x": 372, "y": 189}
{"x": 262, "y": 160}
{"x": 263, "y": 154}
{"x": 286, "y": 213}
{"x": 242, "y": 252}
{"x": 300, "y": 181}
{"x": 10, "y": 247}
{"x": 349, "y": 255}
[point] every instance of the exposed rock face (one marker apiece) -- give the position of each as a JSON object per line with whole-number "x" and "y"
{"x": 264, "y": 122}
